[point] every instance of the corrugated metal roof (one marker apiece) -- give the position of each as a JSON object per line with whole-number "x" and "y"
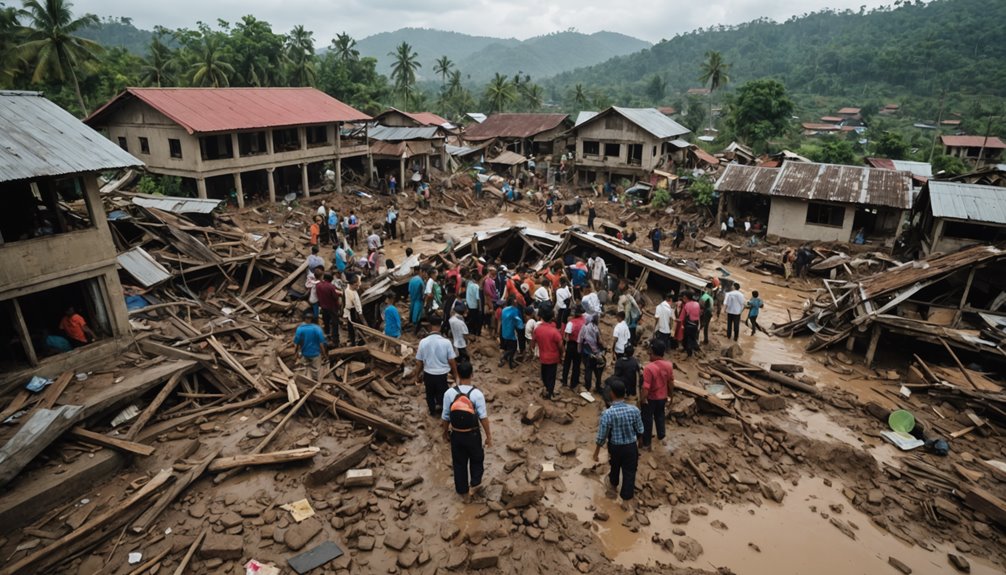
{"x": 396, "y": 149}
{"x": 705, "y": 156}
{"x": 143, "y": 267}
{"x": 649, "y": 119}
{"x": 849, "y": 111}
{"x": 679, "y": 143}
{"x": 200, "y": 110}
{"x": 177, "y": 205}
{"x": 477, "y": 116}
{"x": 991, "y": 143}
{"x": 397, "y": 134}
{"x": 463, "y": 150}
{"x": 514, "y": 126}
{"x": 968, "y": 201}
{"x": 750, "y": 179}
{"x": 421, "y": 118}
{"x": 922, "y": 169}
{"x": 661, "y": 269}
{"x": 507, "y": 157}
{"x": 38, "y": 138}
{"x": 583, "y": 116}
{"x": 844, "y": 184}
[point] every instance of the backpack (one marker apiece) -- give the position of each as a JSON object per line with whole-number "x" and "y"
{"x": 462, "y": 412}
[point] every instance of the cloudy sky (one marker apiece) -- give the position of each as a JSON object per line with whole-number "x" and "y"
{"x": 649, "y": 20}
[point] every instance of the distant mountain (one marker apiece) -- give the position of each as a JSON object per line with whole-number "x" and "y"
{"x": 111, "y": 32}
{"x": 429, "y": 44}
{"x": 479, "y": 58}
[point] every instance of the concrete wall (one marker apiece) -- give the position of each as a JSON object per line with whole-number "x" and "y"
{"x": 628, "y": 134}
{"x": 788, "y": 219}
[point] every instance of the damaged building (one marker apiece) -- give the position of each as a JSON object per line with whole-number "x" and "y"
{"x": 948, "y": 216}
{"x": 56, "y": 249}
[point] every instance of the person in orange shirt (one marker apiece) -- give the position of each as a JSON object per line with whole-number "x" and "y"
{"x": 315, "y": 230}
{"x": 75, "y": 328}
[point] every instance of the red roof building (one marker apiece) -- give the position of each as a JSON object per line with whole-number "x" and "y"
{"x": 398, "y": 118}
{"x": 980, "y": 151}
{"x": 518, "y": 128}
{"x": 236, "y": 142}
{"x": 848, "y": 112}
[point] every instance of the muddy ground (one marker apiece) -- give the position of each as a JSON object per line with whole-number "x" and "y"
{"x": 804, "y": 487}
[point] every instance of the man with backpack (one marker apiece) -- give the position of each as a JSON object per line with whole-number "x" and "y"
{"x": 464, "y": 409}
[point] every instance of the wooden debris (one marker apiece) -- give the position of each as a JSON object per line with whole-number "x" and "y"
{"x": 113, "y": 442}
{"x": 225, "y": 463}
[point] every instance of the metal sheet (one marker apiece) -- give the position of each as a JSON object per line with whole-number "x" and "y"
{"x": 177, "y": 205}
{"x": 583, "y": 116}
{"x": 749, "y": 179}
{"x": 143, "y": 267}
{"x": 648, "y": 119}
{"x": 968, "y": 201}
{"x": 398, "y": 134}
{"x": 514, "y": 126}
{"x": 844, "y": 184}
{"x": 38, "y": 139}
{"x": 656, "y": 267}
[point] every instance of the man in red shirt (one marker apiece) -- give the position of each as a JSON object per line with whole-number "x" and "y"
{"x": 690, "y": 314}
{"x": 549, "y": 343}
{"x": 658, "y": 381}
{"x": 570, "y": 334}
{"x": 330, "y": 302}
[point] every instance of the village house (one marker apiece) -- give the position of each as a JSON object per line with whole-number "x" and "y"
{"x": 921, "y": 171}
{"x": 948, "y": 216}
{"x": 56, "y": 249}
{"x": 979, "y": 151}
{"x": 817, "y": 202}
{"x": 397, "y": 118}
{"x": 525, "y": 134}
{"x": 238, "y": 142}
{"x": 396, "y": 149}
{"x": 630, "y": 142}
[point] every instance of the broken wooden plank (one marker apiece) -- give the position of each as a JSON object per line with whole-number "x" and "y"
{"x": 271, "y": 458}
{"x": 237, "y": 367}
{"x": 986, "y": 503}
{"x": 349, "y": 459}
{"x": 345, "y": 351}
{"x": 181, "y": 484}
{"x": 153, "y": 406}
{"x": 158, "y": 349}
{"x": 184, "y": 563}
{"x": 386, "y": 357}
{"x": 112, "y": 442}
{"x": 52, "y": 393}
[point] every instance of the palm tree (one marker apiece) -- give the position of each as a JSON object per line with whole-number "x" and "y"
{"x": 579, "y": 95}
{"x": 210, "y": 68}
{"x": 10, "y": 30}
{"x": 345, "y": 47}
{"x": 157, "y": 66}
{"x": 499, "y": 92}
{"x": 534, "y": 97}
{"x": 443, "y": 67}
{"x": 714, "y": 72}
{"x": 50, "y": 45}
{"x": 403, "y": 70}
{"x": 454, "y": 85}
{"x": 300, "y": 50}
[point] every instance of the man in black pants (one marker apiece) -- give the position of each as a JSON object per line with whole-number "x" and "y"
{"x": 621, "y": 427}
{"x": 434, "y": 360}
{"x": 571, "y": 359}
{"x": 464, "y": 409}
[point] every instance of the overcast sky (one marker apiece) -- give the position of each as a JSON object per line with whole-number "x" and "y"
{"x": 649, "y": 20}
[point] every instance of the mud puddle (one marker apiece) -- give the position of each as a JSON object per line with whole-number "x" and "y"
{"x": 819, "y": 425}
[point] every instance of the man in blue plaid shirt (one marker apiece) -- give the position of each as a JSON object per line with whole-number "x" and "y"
{"x": 622, "y": 428}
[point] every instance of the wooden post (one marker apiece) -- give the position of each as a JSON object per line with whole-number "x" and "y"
{"x": 871, "y": 351}
{"x": 850, "y": 343}
{"x": 201, "y": 188}
{"x": 338, "y": 158}
{"x": 239, "y": 189}
{"x": 271, "y": 180}
{"x": 304, "y": 181}
{"x": 401, "y": 173}
{"x": 23, "y": 334}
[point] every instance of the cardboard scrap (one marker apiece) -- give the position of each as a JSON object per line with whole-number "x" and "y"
{"x": 299, "y": 510}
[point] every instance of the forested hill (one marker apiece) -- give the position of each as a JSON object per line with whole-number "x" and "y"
{"x": 113, "y": 31}
{"x": 918, "y": 48}
{"x": 479, "y": 58}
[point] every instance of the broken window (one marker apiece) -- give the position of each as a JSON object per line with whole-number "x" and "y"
{"x": 591, "y": 148}
{"x": 983, "y": 233}
{"x": 175, "y": 147}
{"x": 285, "y": 140}
{"x": 42, "y": 208}
{"x": 636, "y": 154}
{"x": 317, "y": 136}
{"x": 144, "y": 145}
{"x": 123, "y": 144}
{"x": 218, "y": 147}
{"x": 825, "y": 214}
{"x": 37, "y": 321}
{"x": 251, "y": 143}
{"x": 612, "y": 150}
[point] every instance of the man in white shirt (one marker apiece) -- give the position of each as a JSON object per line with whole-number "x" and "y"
{"x": 621, "y": 334}
{"x": 665, "y": 320}
{"x": 374, "y": 240}
{"x": 313, "y": 261}
{"x": 563, "y": 301}
{"x": 591, "y": 303}
{"x": 352, "y": 310}
{"x": 459, "y": 329}
{"x": 598, "y": 269}
{"x": 734, "y": 303}
{"x": 541, "y": 295}
{"x": 434, "y": 360}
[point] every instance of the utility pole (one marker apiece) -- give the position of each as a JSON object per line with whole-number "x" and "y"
{"x": 985, "y": 140}
{"x": 939, "y": 122}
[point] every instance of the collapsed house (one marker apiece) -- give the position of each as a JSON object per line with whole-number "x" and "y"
{"x": 238, "y": 142}
{"x": 521, "y": 133}
{"x": 817, "y": 202}
{"x": 950, "y": 215}
{"x": 56, "y": 250}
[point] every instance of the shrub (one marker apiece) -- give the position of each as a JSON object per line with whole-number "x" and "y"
{"x": 661, "y": 198}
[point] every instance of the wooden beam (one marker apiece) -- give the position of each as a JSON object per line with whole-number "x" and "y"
{"x": 349, "y": 459}
{"x": 158, "y": 349}
{"x": 180, "y": 570}
{"x": 153, "y": 406}
{"x": 113, "y": 442}
{"x": 271, "y": 458}
{"x": 344, "y": 351}
{"x": 237, "y": 367}
{"x": 52, "y": 393}
{"x": 960, "y": 365}
{"x": 181, "y": 484}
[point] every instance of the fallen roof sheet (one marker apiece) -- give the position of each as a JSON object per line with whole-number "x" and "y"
{"x": 463, "y": 150}
{"x": 398, "y": 134}
{"x": 202, "y": 110}
{"x": 177, "y": 205}
{"x": 656, "y": 267}
{"x": 143, "y": 267}
{"x": 973, "y": 202}
{"x": 705, "y": 156}
{"x": 38, "y": 139}
{"x": 514, "y": 126}
{"x": 909, "y": 273}
{"x": 508, "y": 158}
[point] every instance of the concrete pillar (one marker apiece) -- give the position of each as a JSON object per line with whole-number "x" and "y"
{"x": 271, "y": 179}
{"x": 402, "y": 182}
{"x": 239, "y": 189}
{"x": 338, "y": 158}
{"x": 201, "y": 187}
{"x": 235, "y": 149}
{"x": 426, "y": 162}
{"x": 268, "y": 142}
{"x": 370, "y": 169}
{"x": 304, "y": 181}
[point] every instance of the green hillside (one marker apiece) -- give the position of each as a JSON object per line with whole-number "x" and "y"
{"x": 429, "y": 44}
{"x": 120, "y": 32}
{"x": 907, "y": 49}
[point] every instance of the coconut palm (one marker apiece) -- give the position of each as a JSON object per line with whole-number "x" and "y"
{"x": 10, "y": 30}
{"x": 443, "y": 67}
{"x": 50, "y": 46}
{"x": 534, "y": 96}
{"x": 210, "y": 68}
{"x": 345, "y": 47}
{"x": 403, "y": 70}
{"x": 714, "y": 72}
{"x": 499, "y": 92}
{"x": 300, "y": 51}
{"x": 580, "y": 95}
{"x": 157, "y": 66}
